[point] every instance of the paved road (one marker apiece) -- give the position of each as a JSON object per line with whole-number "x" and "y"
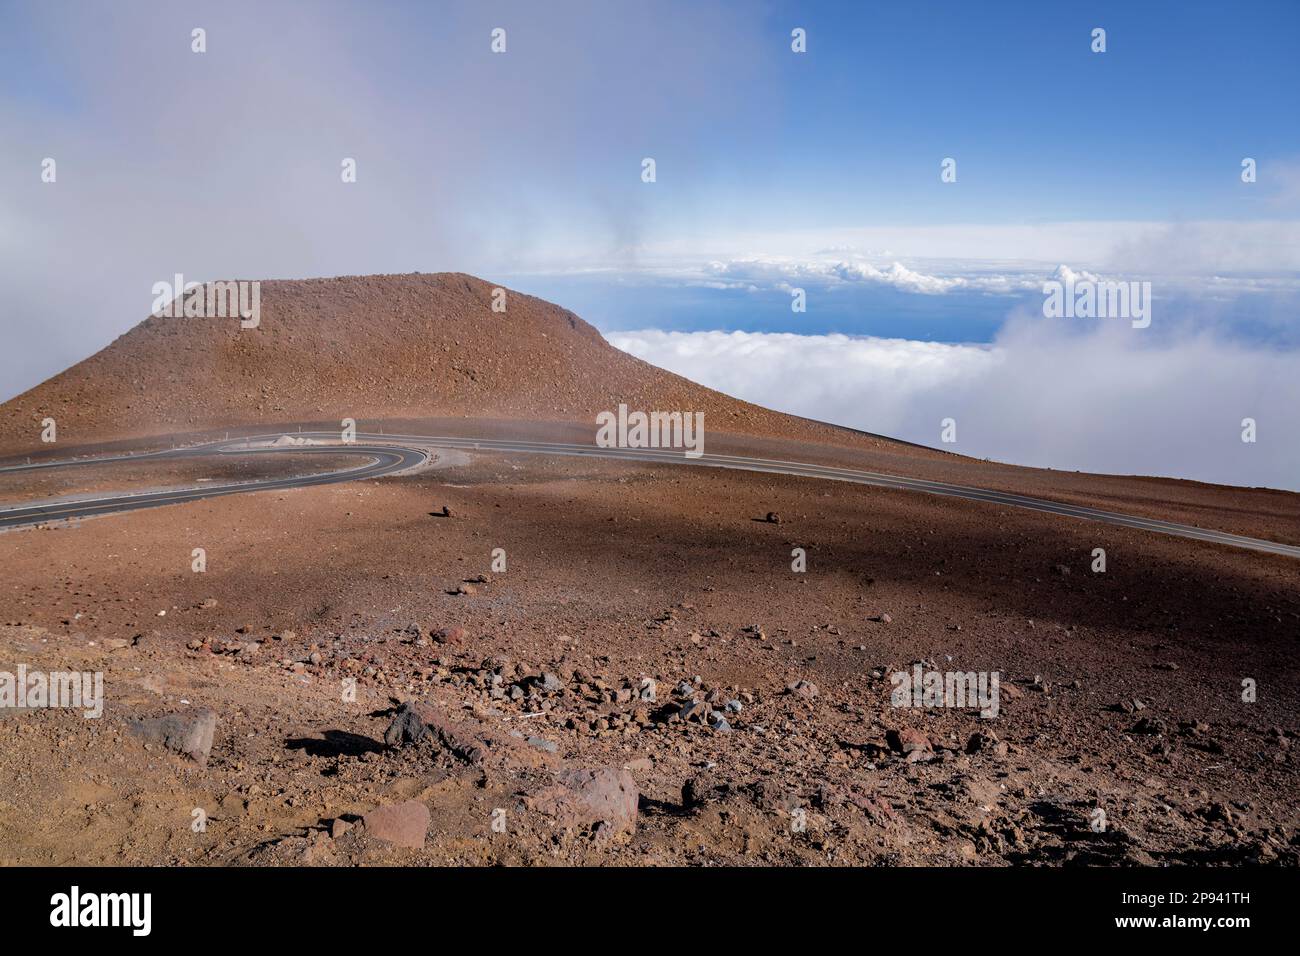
{"x": 380, "y": 460}
{"x": 393, "y": 453}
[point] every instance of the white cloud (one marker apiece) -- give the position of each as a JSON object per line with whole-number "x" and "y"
{"x": 829, "y": 269}
{"x": 839, "y": 268}
{"x": 1105, "y": 398}
{"x": 1137, "y": 248}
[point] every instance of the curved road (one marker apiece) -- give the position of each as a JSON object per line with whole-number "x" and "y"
{"x": 390, "y": 454}
{"x": 383, "y": 460}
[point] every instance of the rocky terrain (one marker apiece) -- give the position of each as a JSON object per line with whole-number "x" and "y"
{"x": 646, "y": 682}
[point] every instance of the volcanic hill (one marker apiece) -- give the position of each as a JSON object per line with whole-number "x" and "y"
{"x": 366, "y": 347}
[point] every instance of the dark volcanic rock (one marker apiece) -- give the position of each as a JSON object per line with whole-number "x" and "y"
{"x": 188, "y": 733}
{"x": 414, "y": 722}
{"x": 467, "y": 740}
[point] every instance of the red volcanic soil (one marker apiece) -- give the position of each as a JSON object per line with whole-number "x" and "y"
{"x": 1121, "y": 692}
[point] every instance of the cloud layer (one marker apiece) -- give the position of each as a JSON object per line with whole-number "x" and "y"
{"x": 1099, "y": 398}
{"x": 840, "y": 268}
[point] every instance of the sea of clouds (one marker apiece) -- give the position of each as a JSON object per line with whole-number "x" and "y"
{"x": 1099, "y": 397}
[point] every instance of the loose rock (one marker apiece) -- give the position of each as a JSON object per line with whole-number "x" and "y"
{"x": 402, "y": 824}
{"x": 188, "y": 733}
{"x": 582, "y": 798}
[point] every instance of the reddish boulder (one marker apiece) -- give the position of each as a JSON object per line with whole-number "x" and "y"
{"x": 451, "y": 635}
{"x": 582, "y": 798}
{"x": 401, "y": 824}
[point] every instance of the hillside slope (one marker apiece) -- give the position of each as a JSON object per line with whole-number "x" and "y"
{"x": 366, "y": 347}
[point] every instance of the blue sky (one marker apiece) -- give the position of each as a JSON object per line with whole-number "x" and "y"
{"x": 1043, "y": 128}
{"x": 1045, "y": 133}
{"x": 775, "y": 171}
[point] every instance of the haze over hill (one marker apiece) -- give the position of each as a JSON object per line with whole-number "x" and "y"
{"x": 364, "y": 347}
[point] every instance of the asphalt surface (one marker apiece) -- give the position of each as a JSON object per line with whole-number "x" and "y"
{"x": 395, "y": 453}
{"x": 383, "y": 460}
